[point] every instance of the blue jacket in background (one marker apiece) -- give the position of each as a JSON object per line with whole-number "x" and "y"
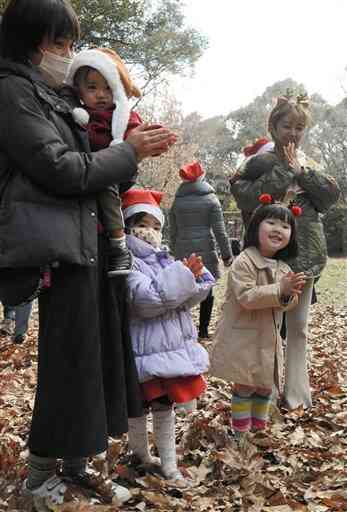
{"x": 197, "y": 225}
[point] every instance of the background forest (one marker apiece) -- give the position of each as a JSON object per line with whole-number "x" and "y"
{"x": 157, "y": 45}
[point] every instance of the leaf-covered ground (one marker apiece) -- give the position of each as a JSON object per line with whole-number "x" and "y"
{"x": 300, "y": 464}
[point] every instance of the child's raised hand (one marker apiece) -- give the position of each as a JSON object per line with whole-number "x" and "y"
{"x": 292, "y": 283}
{"x": 149, "y": 140}
{"x": 195, "y": 264}
{"x": 292, "y": 159}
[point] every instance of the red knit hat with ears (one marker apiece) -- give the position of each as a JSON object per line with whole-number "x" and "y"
{"x": 191, "y": 172}
{"x": 139, "y": 200}
{"x": 259, "y": 146}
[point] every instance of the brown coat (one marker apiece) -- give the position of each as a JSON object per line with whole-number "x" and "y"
{"x": 248, "y": 348}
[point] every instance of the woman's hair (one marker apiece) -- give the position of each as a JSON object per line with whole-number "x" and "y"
{"x": 132, "y": 221}
{"x": 25, "y": 23}
{"x": 275, "y": 211}
{"x": 286, "y": 106}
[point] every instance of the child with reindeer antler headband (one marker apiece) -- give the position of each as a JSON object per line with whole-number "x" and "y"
{"x": 248, "y": 349}
{"x": 279, "y": 173}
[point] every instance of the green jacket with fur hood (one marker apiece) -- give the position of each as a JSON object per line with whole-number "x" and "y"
{"x": 267, "y": 173}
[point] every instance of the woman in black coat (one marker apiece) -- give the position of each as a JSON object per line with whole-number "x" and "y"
{"x": 87, "y": 382}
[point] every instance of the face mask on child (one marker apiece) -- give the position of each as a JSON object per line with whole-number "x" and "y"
{"x": 149, "y": 235}
{"x": 54, "y": 68}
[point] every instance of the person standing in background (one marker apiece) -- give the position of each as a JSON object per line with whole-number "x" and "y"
{"x": 197, "y": 227}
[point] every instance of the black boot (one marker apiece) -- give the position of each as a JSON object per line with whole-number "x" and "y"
{"x": 284, "y": 327}
{"x": 120, "y": 261}
{"x": 314, "y": 299}
{"x": 206, "y": 307}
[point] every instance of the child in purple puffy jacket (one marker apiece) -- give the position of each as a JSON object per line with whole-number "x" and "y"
{"x": 169, "y": 359}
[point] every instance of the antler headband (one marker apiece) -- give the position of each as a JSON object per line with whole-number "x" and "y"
{"x": 298, "y": 100}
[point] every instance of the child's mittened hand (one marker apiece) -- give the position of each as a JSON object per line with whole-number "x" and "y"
{"x": 195, "y": 264}
{"x": 292, "y": 283}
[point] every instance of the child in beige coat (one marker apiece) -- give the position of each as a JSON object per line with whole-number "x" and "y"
{"x": 248, "y": 349}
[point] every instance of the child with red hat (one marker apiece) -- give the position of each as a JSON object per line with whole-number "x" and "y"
{"x": 259, "y": 147}
{"x": 104, "y": 88}
{"x": 169, "y": 359}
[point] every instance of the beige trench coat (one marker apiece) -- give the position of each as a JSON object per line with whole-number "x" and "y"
{"x": 248, "y": 346}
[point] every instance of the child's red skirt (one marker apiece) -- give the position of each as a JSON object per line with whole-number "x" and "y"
{"x": 178, "y": 390}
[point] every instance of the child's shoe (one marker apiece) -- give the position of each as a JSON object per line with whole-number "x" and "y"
{"x": 120, "y": 261}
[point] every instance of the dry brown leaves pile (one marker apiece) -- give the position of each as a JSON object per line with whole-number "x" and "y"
{"x": 299, "y": 465}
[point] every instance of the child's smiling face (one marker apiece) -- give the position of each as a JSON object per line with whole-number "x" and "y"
{"x": 274, "y": 235}
{"x": 95, "y": 92}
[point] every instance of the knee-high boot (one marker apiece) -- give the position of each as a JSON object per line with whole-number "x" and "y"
{"x": 138, "y": 439}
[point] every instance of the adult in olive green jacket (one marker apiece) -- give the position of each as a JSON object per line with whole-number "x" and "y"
{"x": 318, "y": 192}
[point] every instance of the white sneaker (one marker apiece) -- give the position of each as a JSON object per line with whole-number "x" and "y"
{"x": 51, "y": 492}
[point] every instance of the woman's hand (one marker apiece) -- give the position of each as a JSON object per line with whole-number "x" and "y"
{"x": 292, "y": 283}
{"x": 151, "y": 140}
{"x": 234, "y": 176}
{"x": 195, "y": 264}
{"x": 292, "y": 159}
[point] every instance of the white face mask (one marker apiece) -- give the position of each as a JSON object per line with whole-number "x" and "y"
{"x": 54, "y": 68}
{"x": 149, "y": 235}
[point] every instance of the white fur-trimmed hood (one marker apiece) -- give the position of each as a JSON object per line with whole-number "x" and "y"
{"x": 107, "y": 67}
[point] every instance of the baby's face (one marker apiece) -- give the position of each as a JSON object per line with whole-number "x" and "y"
{"x": 95, "y": 92}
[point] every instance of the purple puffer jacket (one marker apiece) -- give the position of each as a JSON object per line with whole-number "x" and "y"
{"x": 161, "y": 293}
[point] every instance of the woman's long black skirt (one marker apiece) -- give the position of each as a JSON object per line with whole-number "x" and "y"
{"x": 87, "y": 379}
